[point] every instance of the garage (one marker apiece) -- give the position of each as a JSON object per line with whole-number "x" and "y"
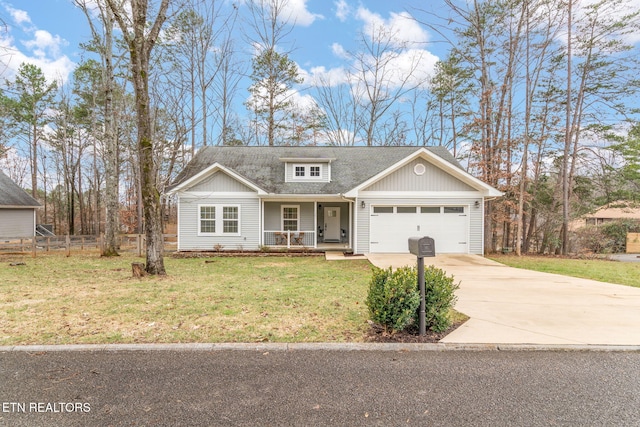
{"x": 391, "y": 227}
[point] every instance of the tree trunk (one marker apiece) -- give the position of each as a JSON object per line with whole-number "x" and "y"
{"x": 140, "y": 39}
{"x": 152, "y": 208}
{"x": 567, "y": 144}
{"x": 137, "y": 269}
{"x": 112, "y": 219}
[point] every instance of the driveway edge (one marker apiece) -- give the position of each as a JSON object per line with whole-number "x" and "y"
{"x": 284, "y": 347}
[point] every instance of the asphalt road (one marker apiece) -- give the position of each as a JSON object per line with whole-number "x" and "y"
{"x": 625, "y": 257}
{"x": 345, "y": 388}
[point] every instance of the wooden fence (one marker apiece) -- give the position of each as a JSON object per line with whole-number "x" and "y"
{"x": 633, "y": 243}
{"x": 126, "y": 243}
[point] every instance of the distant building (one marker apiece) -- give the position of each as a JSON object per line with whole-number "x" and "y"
{"x": 17, "y": 210}
{"x": 610, "y": 212}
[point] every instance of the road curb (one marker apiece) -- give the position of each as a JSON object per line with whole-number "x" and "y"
{"x": 292, "y": 347}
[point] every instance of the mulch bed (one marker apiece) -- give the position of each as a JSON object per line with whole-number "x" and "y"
{"x": 238, "y": 254}
{"x": 377, "y": 334}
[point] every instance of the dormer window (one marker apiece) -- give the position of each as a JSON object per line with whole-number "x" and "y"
{"x": 308, "y": 172}
{"x": 301, "y": 169}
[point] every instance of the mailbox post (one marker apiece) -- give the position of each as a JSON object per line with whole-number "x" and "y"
{"x": 422, "y": 247}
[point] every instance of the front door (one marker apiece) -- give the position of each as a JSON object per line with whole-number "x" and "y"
{"x": 331, "y": 224}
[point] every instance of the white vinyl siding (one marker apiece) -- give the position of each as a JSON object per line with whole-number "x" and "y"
{"x": 246, "y": 237}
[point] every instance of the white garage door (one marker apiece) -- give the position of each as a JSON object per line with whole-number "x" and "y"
{"x": 391, "y": 227}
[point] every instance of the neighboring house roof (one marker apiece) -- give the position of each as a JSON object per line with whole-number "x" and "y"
{"x": 263, "y": 168}
{"x": 12, "y": 196}
{"x": 609, "y": 212}
{"x": 617, "y": 210}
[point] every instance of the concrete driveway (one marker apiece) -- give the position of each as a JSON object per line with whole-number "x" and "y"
{"x": 513, "y": 306}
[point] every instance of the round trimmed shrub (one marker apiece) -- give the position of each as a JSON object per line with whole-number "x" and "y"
{"x": 440, "y": 298}
{"x": 393, "y": 297}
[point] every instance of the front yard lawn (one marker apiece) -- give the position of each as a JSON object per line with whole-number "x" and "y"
{"x": 622, "y": 273}
{"x": 87, "y": 299}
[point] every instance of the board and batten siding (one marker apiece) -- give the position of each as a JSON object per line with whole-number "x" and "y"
{"x": 433, "y": 179}
{"x": 17, "y": 223}
{"x": 221, "y": 182}
{"x": 188, "y": 239}
{"x": 475, "y": 218}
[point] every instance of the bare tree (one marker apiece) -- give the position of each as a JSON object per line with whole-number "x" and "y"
{"x": 192, "y": 43}
{"x": 103, "y": 42}
{"x": 225, "y": 86}
{"x": 340, "y": 103}
{"x": 274, "y": 74}
{"x": 381, "y": 82}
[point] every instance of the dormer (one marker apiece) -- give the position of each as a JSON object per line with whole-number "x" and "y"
{"x": 307, "y": 169}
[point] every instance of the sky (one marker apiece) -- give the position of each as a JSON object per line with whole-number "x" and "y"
{"x": 47, "y": 33}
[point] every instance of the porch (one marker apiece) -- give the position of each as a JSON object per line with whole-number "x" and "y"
{"x": 300, "y": 239}
{"x": 322, "y": 225}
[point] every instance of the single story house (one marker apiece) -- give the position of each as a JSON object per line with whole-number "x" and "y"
{"x": 17, "y": 210}
{"x": 613, "y": 211}
{"x": 360, "y": 199}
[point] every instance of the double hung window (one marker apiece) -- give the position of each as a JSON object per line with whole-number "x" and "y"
{"x": 290, "y": 218}
{"x": 218, "y": 220}
{"x": 307, "y": 172}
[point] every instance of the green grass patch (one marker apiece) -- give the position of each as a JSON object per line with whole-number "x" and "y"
{"x": 622, "y": 273}
{"x": 87, "y": 299}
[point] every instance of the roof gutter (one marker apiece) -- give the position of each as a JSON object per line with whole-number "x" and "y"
{"x": 301, "y": 196}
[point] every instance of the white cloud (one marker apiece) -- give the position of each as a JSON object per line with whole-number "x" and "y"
{"x": 56, "y": 69}
{"x": 339, "y": 51}
{"x": 403, "y": 30}
{"x": 43, "y": 51}
{"x": 610, "y": 13}
{"x": 19, "y": 16}
{"x": 303, "y": 103}
{"x": 320, "y": 76}
{"x": 297, "y": 12}
{"x": 44, "y": 43}
{"x": 342, "y": 10}
{"x": 411, "y": 67}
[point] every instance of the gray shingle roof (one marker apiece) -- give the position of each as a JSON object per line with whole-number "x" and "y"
{"x": 12, "y": 195}
{"x": 263, "y": 166}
